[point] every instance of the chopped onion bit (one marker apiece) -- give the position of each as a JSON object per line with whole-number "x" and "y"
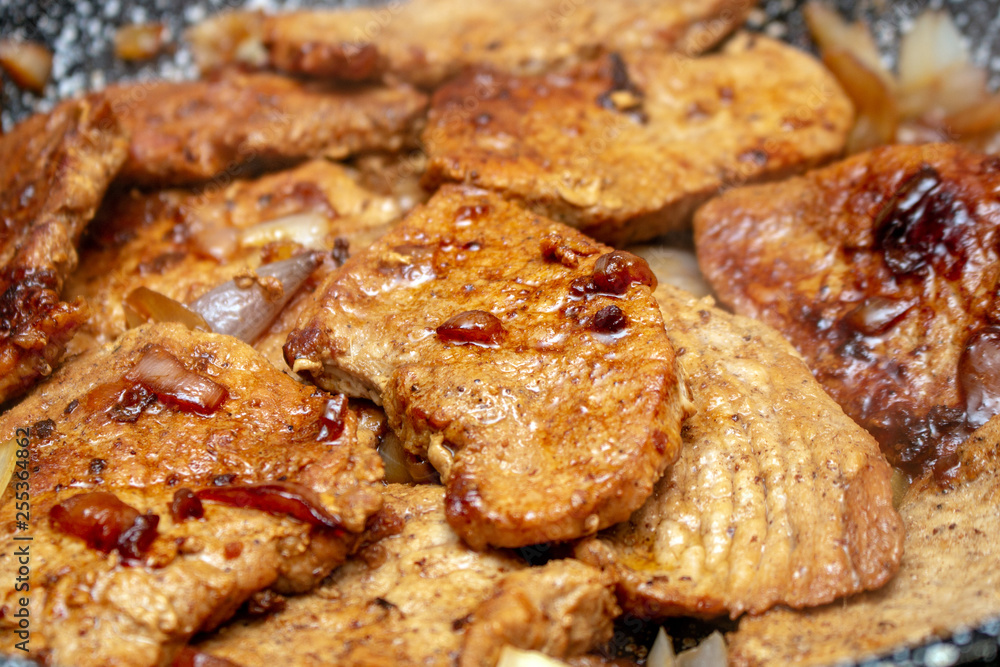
{"x": 144, "y": 305}
{"x": 163, "y": 374}
{"x": 139, "y": 41}
{"x": 309, "y": 230}
{"x": 515, "y": 657}
{"x": 401, "y": 466}
{"x": 244, "y": 308}
{"x": 28, "y": 63}
{"x": 662, "y": 653}
{"x": 711, "y": 652}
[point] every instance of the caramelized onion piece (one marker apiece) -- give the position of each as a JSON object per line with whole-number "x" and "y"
{"x": 332, "y": 419}
{"x": 246, "y": 312}
{"x": 979, "y": 376}
{"x": 161, "y": 373}
{"x": 144, "y": 305}
{"x": 28, "y": 63}
{"x": 106, "y": 523}
{"x": 139, "y": 41}
{"x": 286, "y": 498}
{"x": 401, "y": 466}
{"x": 309, "y": 230}
{"x": 185, "y": 505}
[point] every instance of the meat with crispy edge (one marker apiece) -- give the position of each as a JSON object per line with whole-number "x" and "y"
{"x": 228, "y": 125}
{"x": 416, "y": 594}
{"x": 777, "y": 498}
{"x": 882, "y": 270}
{"x": 54, "y": 169}
{"x": 627, "y": 147}
{"x": 182, "y": 243}
{"x": 426, "y": 41}
{"x": 96, "y": 428}
{"x": 948, "y": 582}
{"x": 550, "y": 406}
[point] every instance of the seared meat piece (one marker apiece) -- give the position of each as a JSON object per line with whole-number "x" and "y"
{"x": 182, "y": 243}
{"x": 777, "y": 498}
{"x": 949, "y": 578}
{"x": 127, "y": 420}
{"x": 626, "y": 149}
{"x": 192, "y": 131}
{"x": 883, "y": 271}
{"x": 415, "y": 594}
{"x": 54, "y": 169}
{"x": 525, "y": 361}
{"x": 426, "y": 41}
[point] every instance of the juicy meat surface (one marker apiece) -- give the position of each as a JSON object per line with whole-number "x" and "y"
{"x": 426, "y": 41}
{"x": 777, "y": 497}
{"x": 883, "y": 271}
{"x": 182, "y": 243}
{"x": 627, "y": 147}
{"x": 96, "y": 426}
{"x": 549, "y": 406}
{"x": 948, "y": 580}
{"x": 416, "y": 594}
{"x": 192, "y": 131}
{"x": 54, "y": 169}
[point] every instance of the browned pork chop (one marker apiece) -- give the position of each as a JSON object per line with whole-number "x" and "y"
{"x": 223, "y": 127}
{"x": 626, "y": 148}
{"x": 426, "y": 41}
{"x": 948, "y": 580}
{"x": 182, "y": 243}
{"x": 166, "y": 409}
{"x": 528, "y": 363}
{"x": 54, "y": 169}
{"x": 416, "y": 594}
{"x": 777, "y": 498}
{"x": 883, "y": 271}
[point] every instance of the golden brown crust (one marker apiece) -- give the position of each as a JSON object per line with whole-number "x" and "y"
{"x": 86, "y": 435}
{"x": 626, "y": 148}
{"x": 809, "y": 257}
{"x": 427, "y": 41}
{"x": 948, "y": 579}
{"x": 554, "y": 431}
{"x": 415, "y": 594}
{"x": 777, "y": 498}
{"x": 54, "y": 169}
{"x": 227, "y": 126}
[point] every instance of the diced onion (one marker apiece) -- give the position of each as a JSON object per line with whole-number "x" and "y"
{"x": 139, "y": 41}
{"x": 233, "y": 35}
{"x": 28, "y": 64}
{"x": 662, "y": 653}
{"x": 144, "y": 305}
{"x": 711, "y": 652}
{"x": 309, "y": 230}
{"x": 515, "y": 657}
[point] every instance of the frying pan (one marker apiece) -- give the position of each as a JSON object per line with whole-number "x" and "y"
{"x": 80, "y": 34}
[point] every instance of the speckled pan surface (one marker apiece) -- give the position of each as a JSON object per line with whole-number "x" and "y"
{"x": 80, "y": 33}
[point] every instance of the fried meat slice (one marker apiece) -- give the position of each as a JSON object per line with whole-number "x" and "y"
{"x": 192, "y": 131}
{"x": 182, "y": 243}
{"x": 883, "y": 271}
{"x": 426, "y": 41}
{"x": 277, "y": 469}
{"x": 416, "y": 594}
{"x": 777, "y": 497}
{"x": 526, "y": 362}
{"x": 627, "y": 147}
{"x": 54, "y": 169}
{"x": 948, "y": 581}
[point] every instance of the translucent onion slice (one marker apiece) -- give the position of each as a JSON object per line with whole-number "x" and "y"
{"x": 711, "y": 652}
{"x": 402, "y": 467}
{"x": 932, "y": 46}
{"x": 246, "y": 311}
{"x": 309, "y": 230}
{"x": 515, "y": 657}
{"x": 144, "y": 305}
{"x": 830, "y": 32}
{"x": 28, "y": 64}
{"x": 662, "y": 653}
{"x": 163, "y": 374}
{"x": 878, "y": 115}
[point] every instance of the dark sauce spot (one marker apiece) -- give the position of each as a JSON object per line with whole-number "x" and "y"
{"x": 979, "y": 375}
{"x": 341, "y": 250}
{"x": 278, "y": 498}
{"x": 923, "y": 225}
{"x": 131, "y": 403}
{"x": 97, "y": 466}
{"x": 73, "y": 405}
{"x": 609, "y": 319}
{"x": 185, "y": 505}
{"x": 106, "y": 523}
{"x": 332, "y": 420}
{"x": 622, "y": 83}
{"x": 43, "y": 429}
{"x": 616, "y": 271}
{"x": 472, "y": 326}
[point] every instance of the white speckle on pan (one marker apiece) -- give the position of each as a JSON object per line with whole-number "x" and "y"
{"x": 941, "y": 655}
